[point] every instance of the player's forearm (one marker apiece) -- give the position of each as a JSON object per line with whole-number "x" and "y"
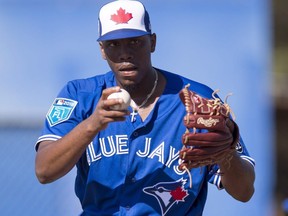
{"x": 238, "y": 178}
{"x": 55, "y": 159}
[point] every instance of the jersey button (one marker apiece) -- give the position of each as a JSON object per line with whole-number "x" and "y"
{"x": 135, "y": 134}
{"x": 133, "y": 179}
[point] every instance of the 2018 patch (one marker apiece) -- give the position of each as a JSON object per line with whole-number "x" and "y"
{"x": 60, "y": 110}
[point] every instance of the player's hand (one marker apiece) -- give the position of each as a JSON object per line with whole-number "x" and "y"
{"x": 103, "y": 115}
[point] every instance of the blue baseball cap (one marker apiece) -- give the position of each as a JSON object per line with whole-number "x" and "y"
{"x": 123, "y": 19}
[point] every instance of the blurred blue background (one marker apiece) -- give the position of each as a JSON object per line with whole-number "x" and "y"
{"x": 43, "y": 44}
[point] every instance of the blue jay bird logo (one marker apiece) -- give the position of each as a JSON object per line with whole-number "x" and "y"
{"x": 168, "y": 193}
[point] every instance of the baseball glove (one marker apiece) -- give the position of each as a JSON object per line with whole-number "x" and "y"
{"x": 211, "y": 135}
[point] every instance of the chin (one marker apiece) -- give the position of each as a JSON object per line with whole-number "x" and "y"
{"x": 130, "y": 87}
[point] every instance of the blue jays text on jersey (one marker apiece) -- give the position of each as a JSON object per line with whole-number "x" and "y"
{"x": 131, "y": 168}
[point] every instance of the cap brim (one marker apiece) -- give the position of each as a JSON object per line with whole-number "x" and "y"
{"x": 122, "y": 33}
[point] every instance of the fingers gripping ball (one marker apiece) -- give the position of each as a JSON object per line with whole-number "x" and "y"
{"x": 122, "y": 94}
{"x": 211, "y": 135}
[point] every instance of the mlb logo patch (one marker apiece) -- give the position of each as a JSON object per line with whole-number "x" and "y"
{"x": 60, "y": 110}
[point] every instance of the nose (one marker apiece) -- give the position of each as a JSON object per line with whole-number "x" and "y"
{"x": 125, "y": 53}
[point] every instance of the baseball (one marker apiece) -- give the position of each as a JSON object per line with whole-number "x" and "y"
{"x": 126, "y": 100}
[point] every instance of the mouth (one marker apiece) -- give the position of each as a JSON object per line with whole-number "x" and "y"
{"x": 127, "y": 69}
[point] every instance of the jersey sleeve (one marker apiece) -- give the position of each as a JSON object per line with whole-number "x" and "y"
{"x": 62, "y": 116}
{"x": 74, "y": 103}
{"x": 214, "y": 176}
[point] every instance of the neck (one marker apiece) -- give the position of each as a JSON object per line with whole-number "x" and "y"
{"x": 149, "y": 93}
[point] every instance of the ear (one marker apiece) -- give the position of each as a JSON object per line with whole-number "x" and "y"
{"x": 153, "y": 42}
{"x": 102, "y": 51}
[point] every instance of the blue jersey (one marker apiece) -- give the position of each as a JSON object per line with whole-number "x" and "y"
{"x": 131, "y": 167}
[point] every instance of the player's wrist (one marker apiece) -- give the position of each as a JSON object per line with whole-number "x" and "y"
{"x": 89, "y": 128}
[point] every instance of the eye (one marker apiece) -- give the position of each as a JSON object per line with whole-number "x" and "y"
{"x": 111, "y": 44}
{"x": 135, "y": 41}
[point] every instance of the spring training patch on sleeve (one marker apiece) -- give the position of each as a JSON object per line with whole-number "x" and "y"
{"x": 60, "y": 111}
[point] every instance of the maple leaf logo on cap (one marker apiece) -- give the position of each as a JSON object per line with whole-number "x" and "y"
{"x": 121, "y": 16}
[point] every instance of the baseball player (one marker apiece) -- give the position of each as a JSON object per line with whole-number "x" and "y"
{"x": 128, "y": 161}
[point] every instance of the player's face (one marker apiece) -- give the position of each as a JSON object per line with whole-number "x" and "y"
{"x": 130, "y": 58}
